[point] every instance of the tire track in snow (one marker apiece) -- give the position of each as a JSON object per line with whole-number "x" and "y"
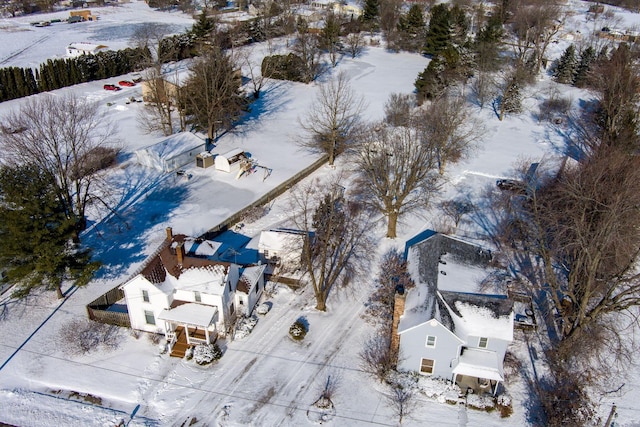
{"x": 345, "y": 325}
{"x": 266, "y": 342}
{"x": 19, "y": 52}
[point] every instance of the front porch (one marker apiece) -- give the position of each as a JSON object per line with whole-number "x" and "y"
{"x": 188, "y": 337}
{"x": 478, "y": 371}
{"x": 187, "y": 325}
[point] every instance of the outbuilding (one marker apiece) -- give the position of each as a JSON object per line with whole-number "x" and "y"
{"x": 204, "y": 160}
{"x": 230, "y": 161}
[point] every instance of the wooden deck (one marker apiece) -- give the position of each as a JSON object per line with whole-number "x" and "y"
{"x": 180, "y": 347}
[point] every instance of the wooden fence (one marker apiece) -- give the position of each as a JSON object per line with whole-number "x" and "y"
{"x": 286, "y": 185}
{"x": 98, "y": 309}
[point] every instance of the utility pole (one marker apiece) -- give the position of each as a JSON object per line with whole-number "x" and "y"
{"x": 611, "y": 415}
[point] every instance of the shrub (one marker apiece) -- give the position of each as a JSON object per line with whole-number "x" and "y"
{"x": 554, "y": 107}
{"x": 82, "y": 336}
{"x": 284, "y": 67}
{"x": 503, "y": 403}
{"x": 298, "y": 330}
{"x": 204, "y": 354}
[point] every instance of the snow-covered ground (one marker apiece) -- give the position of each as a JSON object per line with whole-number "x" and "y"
{"x": 264, "y": 378}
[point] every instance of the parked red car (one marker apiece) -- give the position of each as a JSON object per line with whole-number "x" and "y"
{"x": 111, "y": 87}
{"x": 126, "y": 83}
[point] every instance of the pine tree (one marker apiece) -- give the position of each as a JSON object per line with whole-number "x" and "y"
{"x": 370, "y": 12}
{"x": 330, "y": 37}
{"x": 439, "y": 30}
{"x": 566, "y": 68}
{"x": 37, "y": 249}
{"x": 413, "y": 21}
{"x": 582, "y": 69}
{"x": 511, "y": 101}
{"x": 204, "y": 27}
{"x": 430, "y": 82}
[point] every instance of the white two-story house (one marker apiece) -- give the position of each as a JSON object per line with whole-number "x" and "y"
{"x": 185, "y": 293}
{"x": 446, "y": 327}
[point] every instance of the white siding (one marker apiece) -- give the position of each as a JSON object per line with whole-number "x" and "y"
{"x": 136, "y": 306}
{"x": 413, "y": 348}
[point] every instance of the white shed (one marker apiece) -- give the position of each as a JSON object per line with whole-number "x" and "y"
{"x": 83, "y": 48}
{"x": 230, "y": 161}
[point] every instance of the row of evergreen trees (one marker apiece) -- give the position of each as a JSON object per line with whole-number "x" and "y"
{"x": 16, "y": 82}
{"x": 573, "y": 68}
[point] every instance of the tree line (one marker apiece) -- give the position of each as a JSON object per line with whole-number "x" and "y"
{"x": 16, "y": 82}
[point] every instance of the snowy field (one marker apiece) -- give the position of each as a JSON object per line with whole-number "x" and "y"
{"x": 264, "y": 379}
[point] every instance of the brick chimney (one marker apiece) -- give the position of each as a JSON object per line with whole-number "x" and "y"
{"x": 180, "y": 252}
{"x": 398, "y": 311}
{"x": 169, "y": 234}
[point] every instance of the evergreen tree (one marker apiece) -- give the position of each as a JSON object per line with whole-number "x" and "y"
{"x": 582, "y": 69}
{"x": 511, "y": 101}
{"x": 37, "y": 249}
{"x": 430, "y": 82}
{"x": 203, "y": 28}
{"x": 413, "y": 21}
{"x": 330, "y": 37}
{"x": 439, "y": 31}
{"x": 566, "y": 68}
{"x": 370, "y": 12}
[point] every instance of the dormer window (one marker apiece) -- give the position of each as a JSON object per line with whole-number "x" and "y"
{"x": 431, "y": 341}
{"x": 483, "y": 342}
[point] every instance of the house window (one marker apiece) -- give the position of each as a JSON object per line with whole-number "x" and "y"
{"x": 145, "y": 296}
{"x": 426, "y": 366}
{"x": 431, "y": 341}
{"x": 483, "y": 342}
{"x": 149, "y": 318}
{"x": 241, "y": 302}
{"x": 197, "y": 297}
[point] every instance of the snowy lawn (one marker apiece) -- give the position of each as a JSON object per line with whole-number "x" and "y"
{"x": 264, "y": 378}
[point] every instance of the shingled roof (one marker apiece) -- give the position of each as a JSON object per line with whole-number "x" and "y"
{"x": 167, "y": 262}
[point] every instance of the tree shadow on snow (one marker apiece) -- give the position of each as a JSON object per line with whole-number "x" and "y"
{"x": 273, "y": 99}
{"x": 120, "y": 239}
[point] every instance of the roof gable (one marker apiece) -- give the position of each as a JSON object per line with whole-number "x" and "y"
{"x": 433, "y": 323}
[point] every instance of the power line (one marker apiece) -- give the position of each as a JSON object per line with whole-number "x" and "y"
{"x": 215, "y": 392}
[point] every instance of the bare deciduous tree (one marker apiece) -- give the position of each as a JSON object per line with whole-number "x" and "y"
{"x": 396, "y": 171}
{"x": 334, "y": 118}
{"x": 306, "y": 46}
{"x": 376, "y": 356}
{"x": 449, "y": 128}
{"x": 212, "y": 92}
{"x": 338, "y": 244}
{"x": 574, "y": 236}
{"x": 161, "y": 100}
{"x": 354, "y": 44}
{"x": 533, "y": 25}
{"x": 252, "y": 67}
{"x": 617, "y": 81}
{"x": 398, "y": 110}
{"x": 62, "y": 135}
{"x": 456, "y": 209}
{"x": 402, "y": 400}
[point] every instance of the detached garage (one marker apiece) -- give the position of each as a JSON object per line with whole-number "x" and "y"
{"x": 231, "y": 161}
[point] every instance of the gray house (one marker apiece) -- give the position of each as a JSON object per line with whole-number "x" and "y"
{"x": 445, "y": 327}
